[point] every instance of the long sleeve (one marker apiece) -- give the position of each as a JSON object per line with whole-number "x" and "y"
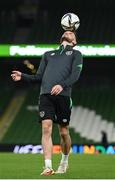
{"x": 76, "y": 70}
{"x": 38, "y": 76}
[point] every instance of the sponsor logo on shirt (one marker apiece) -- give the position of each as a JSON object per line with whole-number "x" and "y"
{"x": 52, "y": 54}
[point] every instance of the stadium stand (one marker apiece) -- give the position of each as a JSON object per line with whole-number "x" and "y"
{"x": 5, "y": 95}
{"x": 43, "y": 27}
{"x": 90, "y": 125}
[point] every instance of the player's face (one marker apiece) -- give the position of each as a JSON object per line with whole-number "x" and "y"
{"x": 69, "y": 37}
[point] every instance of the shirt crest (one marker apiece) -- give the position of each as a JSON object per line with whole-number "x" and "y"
{"x": 68, "y": 53}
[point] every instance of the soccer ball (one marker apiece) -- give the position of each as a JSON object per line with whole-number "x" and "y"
{"x": 70, "y": 22}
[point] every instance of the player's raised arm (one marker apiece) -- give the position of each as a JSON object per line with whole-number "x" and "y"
{"x": 17, "y": 75}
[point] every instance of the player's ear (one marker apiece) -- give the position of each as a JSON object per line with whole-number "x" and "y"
{"x": 61, "y": 39}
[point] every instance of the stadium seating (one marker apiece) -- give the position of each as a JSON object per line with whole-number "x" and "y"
{"x": 95, "y": 27}
{"x": 90, "y": 125}
{"x": 6, "y": 94}
{"x": 94, "y": 113}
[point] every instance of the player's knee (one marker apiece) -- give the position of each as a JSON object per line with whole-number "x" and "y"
{"x": 64, "y": 133}
{"x": 46, "y": 128}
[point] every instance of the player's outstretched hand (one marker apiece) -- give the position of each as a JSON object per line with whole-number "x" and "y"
{"x": 16, "y": 75}
{"x": 56, "y": 90}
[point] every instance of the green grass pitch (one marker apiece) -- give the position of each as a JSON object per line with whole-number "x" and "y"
{"x": 29, "y": 166}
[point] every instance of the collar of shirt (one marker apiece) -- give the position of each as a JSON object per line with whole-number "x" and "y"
{"x": 68, "y": 47}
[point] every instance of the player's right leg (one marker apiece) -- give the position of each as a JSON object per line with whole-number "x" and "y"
{"x": 46, "y": 111}
{"x": 47, "y": 146}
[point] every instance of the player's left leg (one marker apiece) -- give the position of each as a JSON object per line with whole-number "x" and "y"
{"x": 63, "y": 112}
{"x": 65, "y": 145}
